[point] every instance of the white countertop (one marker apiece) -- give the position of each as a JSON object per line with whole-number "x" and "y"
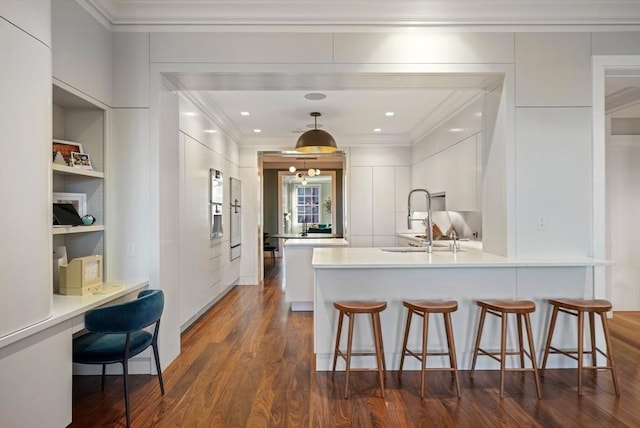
{"x": 372, "y": 258}
{"x": 316, "y": 242}
{"x": 66, "y": 307}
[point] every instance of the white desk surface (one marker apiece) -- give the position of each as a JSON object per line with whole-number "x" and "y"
{"x": 67, "y": 307}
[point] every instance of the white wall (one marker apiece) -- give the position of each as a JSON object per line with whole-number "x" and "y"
{"x": 623, "y": 211}
{"x": 553, "y": 170}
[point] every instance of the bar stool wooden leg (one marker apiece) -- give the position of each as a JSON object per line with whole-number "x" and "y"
{"x": 520, "y": 341}
{"x": 580, "y": 351}
{"x": 594, "y": 356}
{"x": 527, "y": 322}
{"x": 503, "y": 351}
{"x": 547, "y": 346}
{"x": 381, "y": 354}
{"x": 605, "y": 328}
{"x": 483, "y": 313}
{"x": 404, "y": 342}
{"x": 349, "y": 343}
{"x": 423, "y": 363}
{"x": 452, "y": 350}
{"x": 336, "y": 350}
{"x": 377, "y": 339}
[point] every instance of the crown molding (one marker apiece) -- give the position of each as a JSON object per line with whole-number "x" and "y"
{"x": 367, "y": 13}
{"x": 214, "y": 114}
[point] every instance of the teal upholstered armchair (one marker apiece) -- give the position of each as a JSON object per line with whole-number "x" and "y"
{"x": 116, "y": 333}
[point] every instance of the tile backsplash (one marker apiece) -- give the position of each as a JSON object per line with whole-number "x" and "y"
{"x": 464, "y": 223}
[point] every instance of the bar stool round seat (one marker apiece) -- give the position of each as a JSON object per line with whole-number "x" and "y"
{"x": 501, "y": 308}
{"x": 577, "y": 308}
{"x": 350, "y": 309}
{"x": 423, "y": 308}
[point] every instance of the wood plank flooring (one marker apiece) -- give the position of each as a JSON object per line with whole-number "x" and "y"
{"x": 249, "y": 362}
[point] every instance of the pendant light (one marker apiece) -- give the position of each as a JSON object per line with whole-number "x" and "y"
{"x": 302, "y": 175}
{"x": 316, "y": 140}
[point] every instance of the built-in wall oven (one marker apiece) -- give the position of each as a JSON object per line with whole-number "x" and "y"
{"x": 235, "y": 198}
{"x": 215, "y": 201}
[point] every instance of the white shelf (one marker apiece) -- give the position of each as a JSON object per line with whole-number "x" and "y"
{"x": 68, "y": 170}
{"x": 65, "y": 230}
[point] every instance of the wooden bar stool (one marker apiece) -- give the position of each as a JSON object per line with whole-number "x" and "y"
{"x": 577, "y": 307}
{"x": 501, "y": 308}
{"x": 350, "y": 309}
{"x": 423, "y": 308}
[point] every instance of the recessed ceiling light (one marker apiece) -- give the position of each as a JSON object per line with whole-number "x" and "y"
{"x": 257, "y": 131}
{"x": 456, "y": 129}
{"x": 377, "y": 130}
{"x": 189, "y": 113}
{"x": 479, "y": 114}
{"x": 315, "y": 96}
{"x": 210, "y": 131}
{"x": 389, "y": 113}
{"x": 244, "y": 113}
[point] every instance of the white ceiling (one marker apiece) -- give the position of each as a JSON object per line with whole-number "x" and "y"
{"x": 354, "y": 106}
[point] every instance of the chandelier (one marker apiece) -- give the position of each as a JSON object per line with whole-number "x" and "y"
{"x": 316, "y": 140}
{"x": 302, "y": 175}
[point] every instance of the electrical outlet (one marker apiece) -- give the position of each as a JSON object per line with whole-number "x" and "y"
{"x": 542, "y": 223}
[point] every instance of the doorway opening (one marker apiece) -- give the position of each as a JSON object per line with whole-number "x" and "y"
{"x": 622, "y": 153}
{"x": 301, "y": 203}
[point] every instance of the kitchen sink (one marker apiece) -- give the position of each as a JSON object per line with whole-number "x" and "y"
{"x": 404, "y": 249}
{"x": 438, "y": 249}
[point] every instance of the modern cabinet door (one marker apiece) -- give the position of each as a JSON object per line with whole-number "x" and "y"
{"x": 468, "y": 175}
{"x": 25, "y": 142}
{"x": 361, "y": 183}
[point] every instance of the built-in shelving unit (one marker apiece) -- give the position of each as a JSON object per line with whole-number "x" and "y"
{"x": 68, "y": 170}
{"x": 80, "y": 119}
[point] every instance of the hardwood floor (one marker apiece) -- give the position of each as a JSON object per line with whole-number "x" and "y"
{"x": 249, "y": 362}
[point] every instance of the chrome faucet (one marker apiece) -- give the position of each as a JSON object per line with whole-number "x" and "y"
{"x": 455, "y": 245}
{"x": 429, "y": 217}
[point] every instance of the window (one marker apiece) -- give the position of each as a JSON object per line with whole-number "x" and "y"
{"x": 308, "y": 204}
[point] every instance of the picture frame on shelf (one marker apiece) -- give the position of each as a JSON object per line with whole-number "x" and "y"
{"x": 81, "y": 160}
{"x": 78, "y": 200}
{"x": 65, "y": 148}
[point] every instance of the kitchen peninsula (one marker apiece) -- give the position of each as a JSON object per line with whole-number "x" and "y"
{"x": 400, "y": 273}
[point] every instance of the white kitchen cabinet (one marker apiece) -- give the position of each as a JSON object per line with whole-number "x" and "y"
{"x": 25, "y": 141}
{"x": 33, "y": 16}
{"x": 383, "y": 189}
{"x": 36, "y": 378}
{"x": 361, "y": 189}
{"x": 457, "y": 172}
{"x": 467, "y": 176}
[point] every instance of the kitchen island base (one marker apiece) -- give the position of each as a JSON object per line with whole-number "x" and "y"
{"x": 466, "y": 284}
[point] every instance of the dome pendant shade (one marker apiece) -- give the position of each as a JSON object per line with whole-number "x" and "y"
{"x": 316, "y": 140}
